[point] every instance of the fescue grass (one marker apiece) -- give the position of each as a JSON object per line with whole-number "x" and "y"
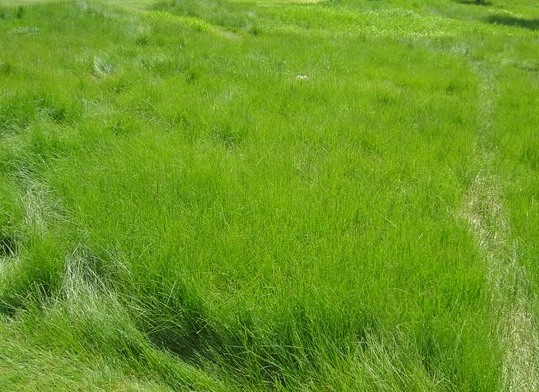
{"x": 257, "y": 195}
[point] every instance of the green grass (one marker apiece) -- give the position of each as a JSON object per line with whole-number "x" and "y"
{"x": 257, "y": 195}
{"x": 518, "y": 143}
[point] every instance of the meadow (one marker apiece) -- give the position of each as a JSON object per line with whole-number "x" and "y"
{"x": 269, "y": 195}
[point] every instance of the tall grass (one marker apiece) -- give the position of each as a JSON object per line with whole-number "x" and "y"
{"x": 519, "y": 160}
{"x": 221, "y": 196}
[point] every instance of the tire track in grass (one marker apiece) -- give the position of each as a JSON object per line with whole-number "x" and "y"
{"x": 483, "y": 209}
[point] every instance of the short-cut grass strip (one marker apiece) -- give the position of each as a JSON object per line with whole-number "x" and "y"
{"x": 488, "y": 219}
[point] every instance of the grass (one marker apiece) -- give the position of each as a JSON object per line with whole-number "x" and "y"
{"x": 258, "y": 195}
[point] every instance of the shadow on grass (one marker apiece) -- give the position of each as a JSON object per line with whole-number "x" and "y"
{"x": 475, "y": 2}
{"x": 530, "y": 24}
{"x": 8, "y": 246}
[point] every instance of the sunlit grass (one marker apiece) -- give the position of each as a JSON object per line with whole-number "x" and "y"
{"x": 224, "y": 196}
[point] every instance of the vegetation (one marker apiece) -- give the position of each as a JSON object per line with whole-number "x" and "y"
{"x": 267, "y": 195}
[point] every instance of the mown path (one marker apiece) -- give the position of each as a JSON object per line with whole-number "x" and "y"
{"x": 491, "y": 226}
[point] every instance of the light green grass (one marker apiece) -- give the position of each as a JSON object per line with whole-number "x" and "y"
{"x": 254, "y": 196}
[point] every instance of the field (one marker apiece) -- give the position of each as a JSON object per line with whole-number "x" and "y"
{"x": 269, "y": 195}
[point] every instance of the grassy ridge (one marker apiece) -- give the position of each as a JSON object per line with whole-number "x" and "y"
{"x": 221, "y": 196}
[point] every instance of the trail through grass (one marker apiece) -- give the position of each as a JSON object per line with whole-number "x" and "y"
{"x": 488, "y": 218}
